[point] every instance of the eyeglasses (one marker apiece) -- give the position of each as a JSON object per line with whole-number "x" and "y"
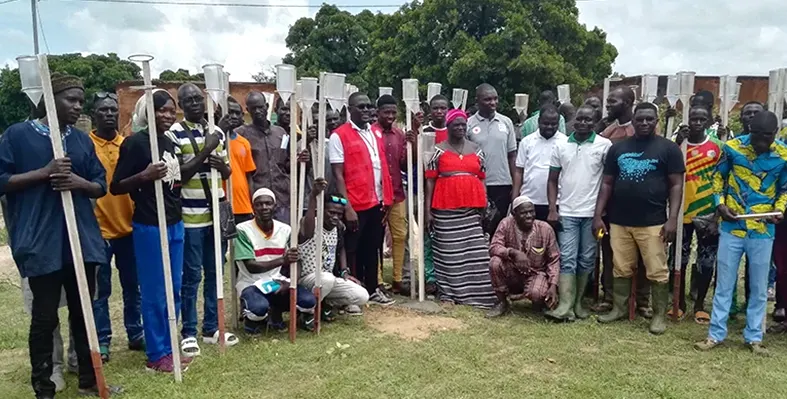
{"x": 193, "y": 100}
{"x": 102, "y": 95}
{"x": 338, "y": 200}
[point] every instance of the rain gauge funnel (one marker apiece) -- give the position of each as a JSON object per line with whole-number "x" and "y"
{"x": 650, "y": 87}
{"x": 410, "y": 94}
{"x": 457, "y": 98}
{"x": 521, "y": 102}
{"x": 334, "y": 89}
{"x": 432, "y": 89}
{"x": 564, "y": 94}
{"x": 31, "y": 78}
{"x": 285, "y": 81}
{"x": 385, "y": 90}
{"x": 214, "y": 80}
{"x": 673, "y": 90}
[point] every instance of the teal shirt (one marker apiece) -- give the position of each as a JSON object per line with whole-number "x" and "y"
{"x": 531, "y": 124}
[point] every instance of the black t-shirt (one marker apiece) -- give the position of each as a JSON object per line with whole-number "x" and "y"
{"x": 134, "y": 158}
{"x": 641, "y": 168}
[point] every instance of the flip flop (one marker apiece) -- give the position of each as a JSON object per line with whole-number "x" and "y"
{"x": 229, "y": 339}
{"x": 702, "y": 317}
{"x": 189, "y": 347}
{"x": 680, "y": 314}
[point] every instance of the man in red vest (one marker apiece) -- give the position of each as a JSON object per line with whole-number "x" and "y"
{"x": 366, "y": 184}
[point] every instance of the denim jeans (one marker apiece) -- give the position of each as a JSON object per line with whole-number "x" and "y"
{"x": 123, "y": 251}
{"x": 150, "y": 272}
{"x": 198, "y": 257}
{"x": 577, "y": 245}
{"x": 731, "y": 249}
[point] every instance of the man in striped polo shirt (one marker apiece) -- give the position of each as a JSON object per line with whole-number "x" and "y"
{"x": 198, "y": 152}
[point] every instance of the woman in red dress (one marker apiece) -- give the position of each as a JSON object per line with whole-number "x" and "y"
{"x": 455, "y": 198}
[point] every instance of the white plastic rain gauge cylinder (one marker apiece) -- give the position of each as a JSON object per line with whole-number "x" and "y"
{"x": 214, "y": 78}
{"x": 564, "y": 94}
{"x": 650, "y": 87}
{"x": 457, "y": 98}
{"x": 308, "y": 91}
{"x": 31, "y": 78}
{"x": 521, "y": 102}
{"x": 432, "y": 89}
{"x": 673, "y": 90}
{"x": 686, "y": 91}
{"x": 385, "y": 90}
{"x": 334, "y": 89}
{"x": 410, "y": 93}
{"x": 285, "y": 81}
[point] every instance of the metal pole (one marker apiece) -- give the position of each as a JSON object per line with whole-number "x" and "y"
{"x": 34, "y": 12}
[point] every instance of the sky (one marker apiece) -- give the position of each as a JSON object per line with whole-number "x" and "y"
{"x": 711, "y": 37}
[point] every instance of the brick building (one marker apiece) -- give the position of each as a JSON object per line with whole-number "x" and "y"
{"x": 127, "y": 97}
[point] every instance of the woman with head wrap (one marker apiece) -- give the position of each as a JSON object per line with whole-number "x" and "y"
{"x": 455, "y": 198}
{"x": 135, "y": 175}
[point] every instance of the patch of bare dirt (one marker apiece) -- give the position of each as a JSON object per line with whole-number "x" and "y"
{"x": 8, "y": 271}
{"x": 410, "y": 325}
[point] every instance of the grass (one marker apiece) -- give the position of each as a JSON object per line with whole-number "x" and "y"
{"x": 520, "y": 356}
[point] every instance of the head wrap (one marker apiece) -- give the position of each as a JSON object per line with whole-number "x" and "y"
{"x": 453, "y": 114}
{"x": 522, "y": 199}
{"x": 139, "y": 120}
{"x": 263, "y": 192}
{"x": 61, "y": 83}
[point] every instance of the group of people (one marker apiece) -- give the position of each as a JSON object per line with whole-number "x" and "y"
{"x": 512, "y": 212}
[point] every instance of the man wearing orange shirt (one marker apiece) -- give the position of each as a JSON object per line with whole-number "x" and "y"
{"x": 114, "y": 218}
{"x": 241, "y": 161}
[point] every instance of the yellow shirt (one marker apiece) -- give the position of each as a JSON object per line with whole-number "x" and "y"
{"x": 113, "y": 212}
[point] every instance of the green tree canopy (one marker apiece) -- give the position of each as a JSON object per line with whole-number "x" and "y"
{"x": 519, "y": 46}
{"x": 98, "y": 73}
{"x": 181, "y": 75}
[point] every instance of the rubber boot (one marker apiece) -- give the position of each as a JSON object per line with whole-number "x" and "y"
{"x": 567, "y": 290}
{"x": 621, "y": 288}
{"x": 579, "y": 309}
{"x": 659, "y": 296}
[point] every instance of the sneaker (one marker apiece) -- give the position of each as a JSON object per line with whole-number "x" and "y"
{"x": 771, "y": 294}
{"x": 137, "y": 345}
{"x": 354, "y": 310}
{"x": 706, "y": 345}
{"x": 328, "y": 315}
{"x": 757, "y": 349}
{"x": 104, "y": 350}
{"x": 165, "y": 364}
{"x": 380, "y": 298}
{"x": 306, "y": 322}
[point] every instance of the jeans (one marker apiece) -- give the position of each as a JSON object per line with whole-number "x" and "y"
{"x": 150, "y": 271}
{"x": 198, "y": 256}
{"x": 780, "y": 260}
{"x": 363, "y": 247}
{"x": 255, "y": 305}
{"x": 46, "y": 299}
{"x": 731, "y": 249}
{"x": 707, "y": 249}
{"x": 123, "y": 251}
{"x": 577, "y": 245}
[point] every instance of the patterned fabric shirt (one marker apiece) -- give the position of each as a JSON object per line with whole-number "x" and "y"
{"x": 531, "y": 124}
{"x": 751, "y": 183}
{"x": 701, "y": 162}
{"x": 308, "y": 252}
{"x": 196, "y": 206}
{"x": 540, "y": 246}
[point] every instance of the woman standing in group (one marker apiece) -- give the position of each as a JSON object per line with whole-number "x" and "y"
{"x": 456, "y": 198}
{"x": 135, "y": 175}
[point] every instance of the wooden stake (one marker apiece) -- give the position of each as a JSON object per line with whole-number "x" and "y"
{"x": 214, "y": 180}
{"x": 410, "y": 217}
{"x": 294, "y": 217}
{"x": 421, "y": 215}
{"x": 319, "y": 170}
{"x": 678, "y": 258}
{"x": 162, "y": 225}
{"x": 85, "y": 298}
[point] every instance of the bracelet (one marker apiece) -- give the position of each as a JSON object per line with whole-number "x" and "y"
{"x": 344, "y": 273}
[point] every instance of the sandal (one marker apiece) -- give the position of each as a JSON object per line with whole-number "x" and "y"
{"x": 681, "y": 314}
{"x": 229, "y": 339}
{"x": 189, "y": 347}
{"x": 702, "y": 317}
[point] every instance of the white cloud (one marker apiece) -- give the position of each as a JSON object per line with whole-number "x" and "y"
{"x": 711, "y": 37}
{"x": 244, "y": 40}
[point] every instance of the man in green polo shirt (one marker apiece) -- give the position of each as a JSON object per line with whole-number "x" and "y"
{"x": 531, "y": 124}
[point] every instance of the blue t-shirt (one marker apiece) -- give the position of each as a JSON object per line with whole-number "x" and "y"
{"x": 37, "y": 224}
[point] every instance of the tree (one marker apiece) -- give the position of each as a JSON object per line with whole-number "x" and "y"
{"x": 98, "y": 73}
{"x": 267, "y": 75}
{"x": 181, "y": 75}
{"x": 519, "y": 46}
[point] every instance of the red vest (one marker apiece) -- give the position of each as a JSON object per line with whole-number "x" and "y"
{"x": 358, "y": 172}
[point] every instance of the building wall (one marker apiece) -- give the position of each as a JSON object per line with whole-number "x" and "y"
{"x": 753, "y": 88}
{"x": 127, "y": 97}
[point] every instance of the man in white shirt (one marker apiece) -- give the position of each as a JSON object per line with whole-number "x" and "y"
{"x": 262, "y": 247}
{"x": 532, "y": 160}
{"x": 339, "y": 288}
{"x": 575, "y": 171}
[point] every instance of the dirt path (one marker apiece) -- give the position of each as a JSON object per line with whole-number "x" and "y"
{"x": 8, "y": 271}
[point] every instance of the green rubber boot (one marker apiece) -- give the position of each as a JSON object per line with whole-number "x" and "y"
{"x": 579, "y": 310}
{"x": 567, "y": 289}
{"x": 621, "y": 288}
{"x": 659, "y": 296}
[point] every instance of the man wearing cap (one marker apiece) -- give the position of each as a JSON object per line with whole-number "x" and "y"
{"x": 33, "y": 181}
{"x": 525, "y": 259}
{"x": 262, "y": 248}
